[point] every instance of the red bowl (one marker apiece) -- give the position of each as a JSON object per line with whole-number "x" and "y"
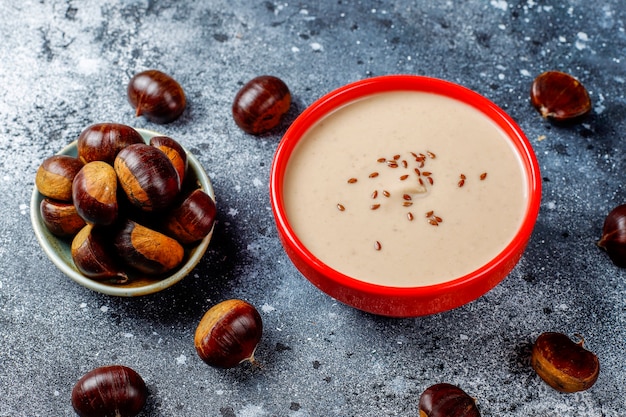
{"x": 403, "y": 301}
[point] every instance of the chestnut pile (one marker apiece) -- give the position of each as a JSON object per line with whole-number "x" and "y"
{"x": 126, "y": 205}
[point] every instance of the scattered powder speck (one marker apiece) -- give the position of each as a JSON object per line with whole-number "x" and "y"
{"x": 464, "y": 337}
{"x": 56, "y": 393}
{"x": 83, "y": 305}
{"x": 599, "y": 106}
{"x": 129, "y": 335}
{"x": 233, "y": 212}
{"x": 581, "y": 41}
{"x": 267, "y": 308}
{"x": 500, "y": 4}
{"x": 295, "y": 49}
{"x": 316, "y": 47}
{"x": 252, "y": 411}
{"x": 23, "y": 208}
{"x": 563, "y": 307}
{"x": 551, "y": 205}
{"x": 237, "y": 187}
{"x": 501, "y": 76}
{"x": 104, "y": 309}
{"x": 181, "y": 360}
{"x": 219, "y": 392}
{"x": 562, "y": 39}
{"x": 525, "y": 73}
{"x": 0, "y": 284}
{"x": 257, "y": 182}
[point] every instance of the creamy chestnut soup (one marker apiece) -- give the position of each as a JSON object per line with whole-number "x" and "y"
{"x": 405, "y": 189}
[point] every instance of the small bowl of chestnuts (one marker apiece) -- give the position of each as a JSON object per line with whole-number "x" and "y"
{"x": 123, "y": 211}
{"x": 404, "y": 195}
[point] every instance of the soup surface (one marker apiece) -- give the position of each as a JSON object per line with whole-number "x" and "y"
{"x": 405, "y": 189}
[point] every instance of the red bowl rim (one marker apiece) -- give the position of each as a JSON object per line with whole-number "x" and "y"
{"x": 387, "y": 83}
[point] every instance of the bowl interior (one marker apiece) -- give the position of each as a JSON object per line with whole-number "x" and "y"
{"x": 58, "y": 249}
{"x": 354, "y": 291}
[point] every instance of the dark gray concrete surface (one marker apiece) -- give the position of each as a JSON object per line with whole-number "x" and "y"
{"x": 65, "y": 65}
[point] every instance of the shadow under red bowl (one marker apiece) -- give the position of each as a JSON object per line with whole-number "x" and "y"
{"x": 404, "y": 301}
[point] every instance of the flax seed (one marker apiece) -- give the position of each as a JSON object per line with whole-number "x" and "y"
{"x": 407, "y": 204}
{"x": 427, "y": 173}
{"x": 431, "y": 155}
{"x": 375, "y": 194}
{"x": 438, "y": 219}
{"x": 340, "y": 207}
{"x": 461, "y": 183}
{"x": 483, "y": 176}
{"x": 375, "y": 206}
{"x": 417, "y": 171}
{"x": 405, "y": 164}
{"x": 396, "y": 157}
{"x": 407, "y": 197}
{"x": 377, "y": 245}
{"x": 381, "y": 160}
{"x": 373, "y": 174}
{"x": 430, "y": 213}
{"x": 386, "y": 193}
{"x": 352, "y": 180}
{"x": 462, "y": 176}
{"x": 431, "y": 181}
{"x": 409, "y": 216}
{"x": 404, "y": 177}
{"x": 392, "y": 164}
{"x": 433, "y": 222}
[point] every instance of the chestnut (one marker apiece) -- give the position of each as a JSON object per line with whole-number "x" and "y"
{"x": 560, "y": 97}
{"x": 147, "y": 177}
{"x": 60, "y": 217}
{"x": 102, "y": 141}
{"x": 94, "y": 192}
{"x": 157, "y": 96}
{"x": 613, "y": 239}
{"x": 55, "y": 175}
{"x": 109, "y": 391}
{"x": 228, "y": 334}
{"x": 92, "y": 255}
{"x": 446, "y": 400}
{"x": 147, "y": 250}
{"x": 193, "y": 220}
{"x": 260, "y": 104}
{"x": 564, "y": 364}
{"x": 174, "y": 152}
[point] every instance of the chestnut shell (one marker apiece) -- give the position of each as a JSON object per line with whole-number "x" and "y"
{"x": 109, "y": 391}
{"x": 260, "y": 104}
{"x": 157, "y": 96}
{"x": 560, "y": 97}
{"x": 564, "y": 364}
{"x": 228, "y": 334}
{"x": 613, "y": 239}
{"x": 102, "y": 141}
{"x": 447, "y": 400}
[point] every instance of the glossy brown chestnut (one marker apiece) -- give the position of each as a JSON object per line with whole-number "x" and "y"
{"x": 559, "y": 96}
{"x": 147, "y": 250}
{"x": 102, "y": 141}
{"x": 147, "y": 177}
{"x": 613, "y": 239}
{"x": 94, "y": 192}
{"x": 447, "y": 400}
{"x": 228, "y": 334}
{"x": 60, "y": 217}
{"x": 157, "y": 96}
{"x": 92, "y": 255}
{"x": 260, "y": 104}
{"x": 174, "y": 152}
{"x": 564, "y": 364}
{"x": 109, "y": 391}
{"x": 193, "y": 220}
{"x": 55, "y": 175}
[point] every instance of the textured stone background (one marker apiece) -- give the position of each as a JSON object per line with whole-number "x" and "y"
{"x": 65, "y": 65}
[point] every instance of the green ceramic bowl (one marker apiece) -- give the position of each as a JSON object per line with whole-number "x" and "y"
{"x": 58, "y": 250}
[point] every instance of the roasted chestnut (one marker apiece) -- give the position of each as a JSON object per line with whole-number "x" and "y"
{"x": 564, "y": 364}
{"x": 260, "y": 104}
{"x": 193, "y": 220}
{"x": 94, "y": 192}
{"x": 559, "y": 96}
{"x": 92, "y": 255}
{"x": 228, "y": 334}
{"x": 147, "y": 250}
{"x": 174, "y": 152}
{"x": 157, "y": 96}
{"x": 447, "y": 400}
{"x": 109, "y": 391}
{"x": 60, "y": 217}
{"x": 55, "y": 175}
{"x": 147, "y": 176}
{"x": 613, "y": 239}
{"x": 102, "y": 141}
